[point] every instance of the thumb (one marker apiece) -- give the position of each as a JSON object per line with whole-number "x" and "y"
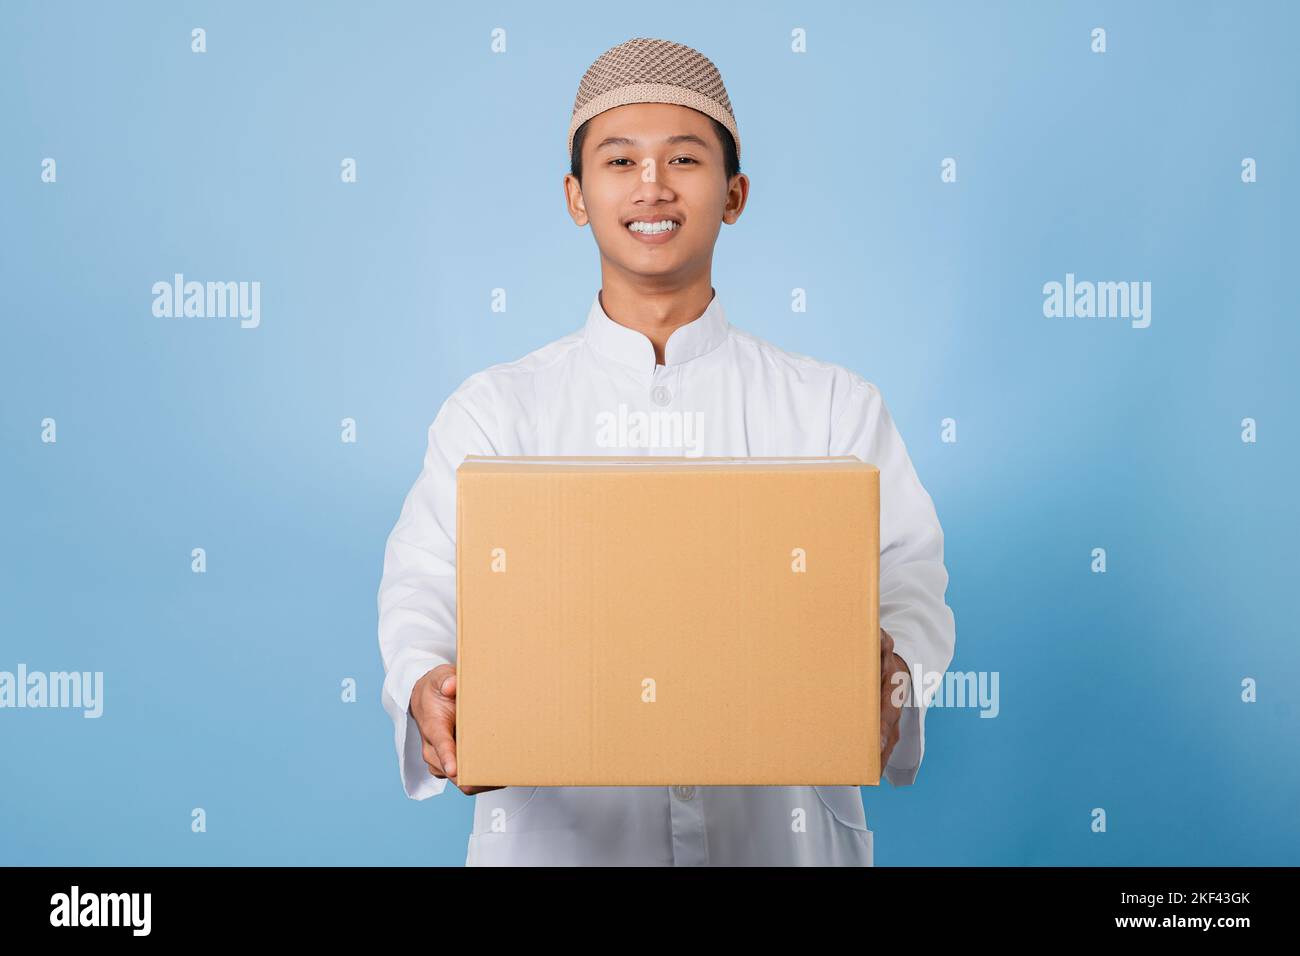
{"x": 448, "y": 686}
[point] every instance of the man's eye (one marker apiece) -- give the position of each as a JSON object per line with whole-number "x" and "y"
{"x": 688, "y": 159}
{"x": 613, "y": 161}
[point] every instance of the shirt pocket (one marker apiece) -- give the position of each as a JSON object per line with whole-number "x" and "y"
{"x": 844, "y": 805}
{"x": 500, "y": 811}
{"x": 847, "y": 814}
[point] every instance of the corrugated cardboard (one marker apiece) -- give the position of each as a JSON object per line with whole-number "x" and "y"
{"x": 642, "y": 621}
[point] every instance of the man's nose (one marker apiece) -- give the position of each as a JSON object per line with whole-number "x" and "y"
{"x": 650, "y": 184}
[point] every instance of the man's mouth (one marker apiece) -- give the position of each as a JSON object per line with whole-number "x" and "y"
{"x": 653, "y": 231}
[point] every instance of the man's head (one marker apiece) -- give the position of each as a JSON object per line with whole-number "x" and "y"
{"x": 653, "y": 141}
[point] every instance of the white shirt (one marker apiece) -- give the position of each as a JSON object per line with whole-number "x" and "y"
{"x": 599, "y": 391}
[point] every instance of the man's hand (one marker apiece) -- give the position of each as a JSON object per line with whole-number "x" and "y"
{"x": 894, "y": 678}
{"x": 433, "y": 705}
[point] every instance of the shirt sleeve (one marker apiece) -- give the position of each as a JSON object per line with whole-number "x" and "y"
{"x": 913, "y": 578}
{"x": 417, "y": 593}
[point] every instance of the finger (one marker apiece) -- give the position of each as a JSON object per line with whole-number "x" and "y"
{"x": 440, "y": 676}
{"x": 437, "y": 733}
{"x": 886, "y": 644}
{"x": 888, "y": 732}
{"x": 438, "y": 748}
{"x": 427, "y": 690}
{"x": 888, "y": 724}
{"x": 432, "y": 762}
{"x": 446, "y": 748}
{"x": 889, "y": 737}
{"x": 894, "y": 687}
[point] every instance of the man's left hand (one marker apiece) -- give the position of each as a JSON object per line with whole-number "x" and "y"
{"x": 894, "y": 677}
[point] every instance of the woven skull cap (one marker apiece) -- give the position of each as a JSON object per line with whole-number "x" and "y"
{"x": 645, "y": 70}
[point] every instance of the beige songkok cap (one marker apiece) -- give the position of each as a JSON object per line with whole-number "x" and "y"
{"x": 643, "y": 70}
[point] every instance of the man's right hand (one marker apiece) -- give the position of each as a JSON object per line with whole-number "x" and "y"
{"x": 433, "y": 705}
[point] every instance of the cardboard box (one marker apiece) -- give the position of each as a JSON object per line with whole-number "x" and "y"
{"x": 668, "y": 621}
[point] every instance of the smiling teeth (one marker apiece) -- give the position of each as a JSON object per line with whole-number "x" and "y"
{"x": 650, "y": 228}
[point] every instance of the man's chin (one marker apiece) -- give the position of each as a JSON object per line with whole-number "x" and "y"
{"x": 650, "y": 264}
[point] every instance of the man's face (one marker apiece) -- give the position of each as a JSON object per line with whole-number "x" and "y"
{"x": 653, "y": 163}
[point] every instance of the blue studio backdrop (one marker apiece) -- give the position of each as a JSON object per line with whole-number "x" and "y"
{"x": 1116, "y": 491}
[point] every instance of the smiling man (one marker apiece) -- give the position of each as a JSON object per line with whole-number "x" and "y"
{"x": 655, "y": 172}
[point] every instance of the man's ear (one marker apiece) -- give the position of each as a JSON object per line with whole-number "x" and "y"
{"x": 737, "y": 196}
{"x": 573, "y": 199}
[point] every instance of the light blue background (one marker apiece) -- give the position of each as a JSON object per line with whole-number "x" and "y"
{"x": 222, "y": 690}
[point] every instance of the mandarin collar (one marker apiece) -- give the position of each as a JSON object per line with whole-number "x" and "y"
{"x": 630, "y": 347}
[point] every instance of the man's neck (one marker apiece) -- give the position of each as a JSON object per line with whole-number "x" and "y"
{"x": 655, "y": 312}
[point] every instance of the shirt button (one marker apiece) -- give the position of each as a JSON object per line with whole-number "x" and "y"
{"x": 660, "y": 395}
{"x": 685, "y": 792}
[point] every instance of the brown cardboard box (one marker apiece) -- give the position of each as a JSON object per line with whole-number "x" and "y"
{"x": 643, "y": 621}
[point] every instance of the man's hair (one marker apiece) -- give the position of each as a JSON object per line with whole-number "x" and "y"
{"x": 731, "y": 163}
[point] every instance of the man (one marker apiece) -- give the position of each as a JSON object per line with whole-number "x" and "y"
{"x": 655, "y": 172}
